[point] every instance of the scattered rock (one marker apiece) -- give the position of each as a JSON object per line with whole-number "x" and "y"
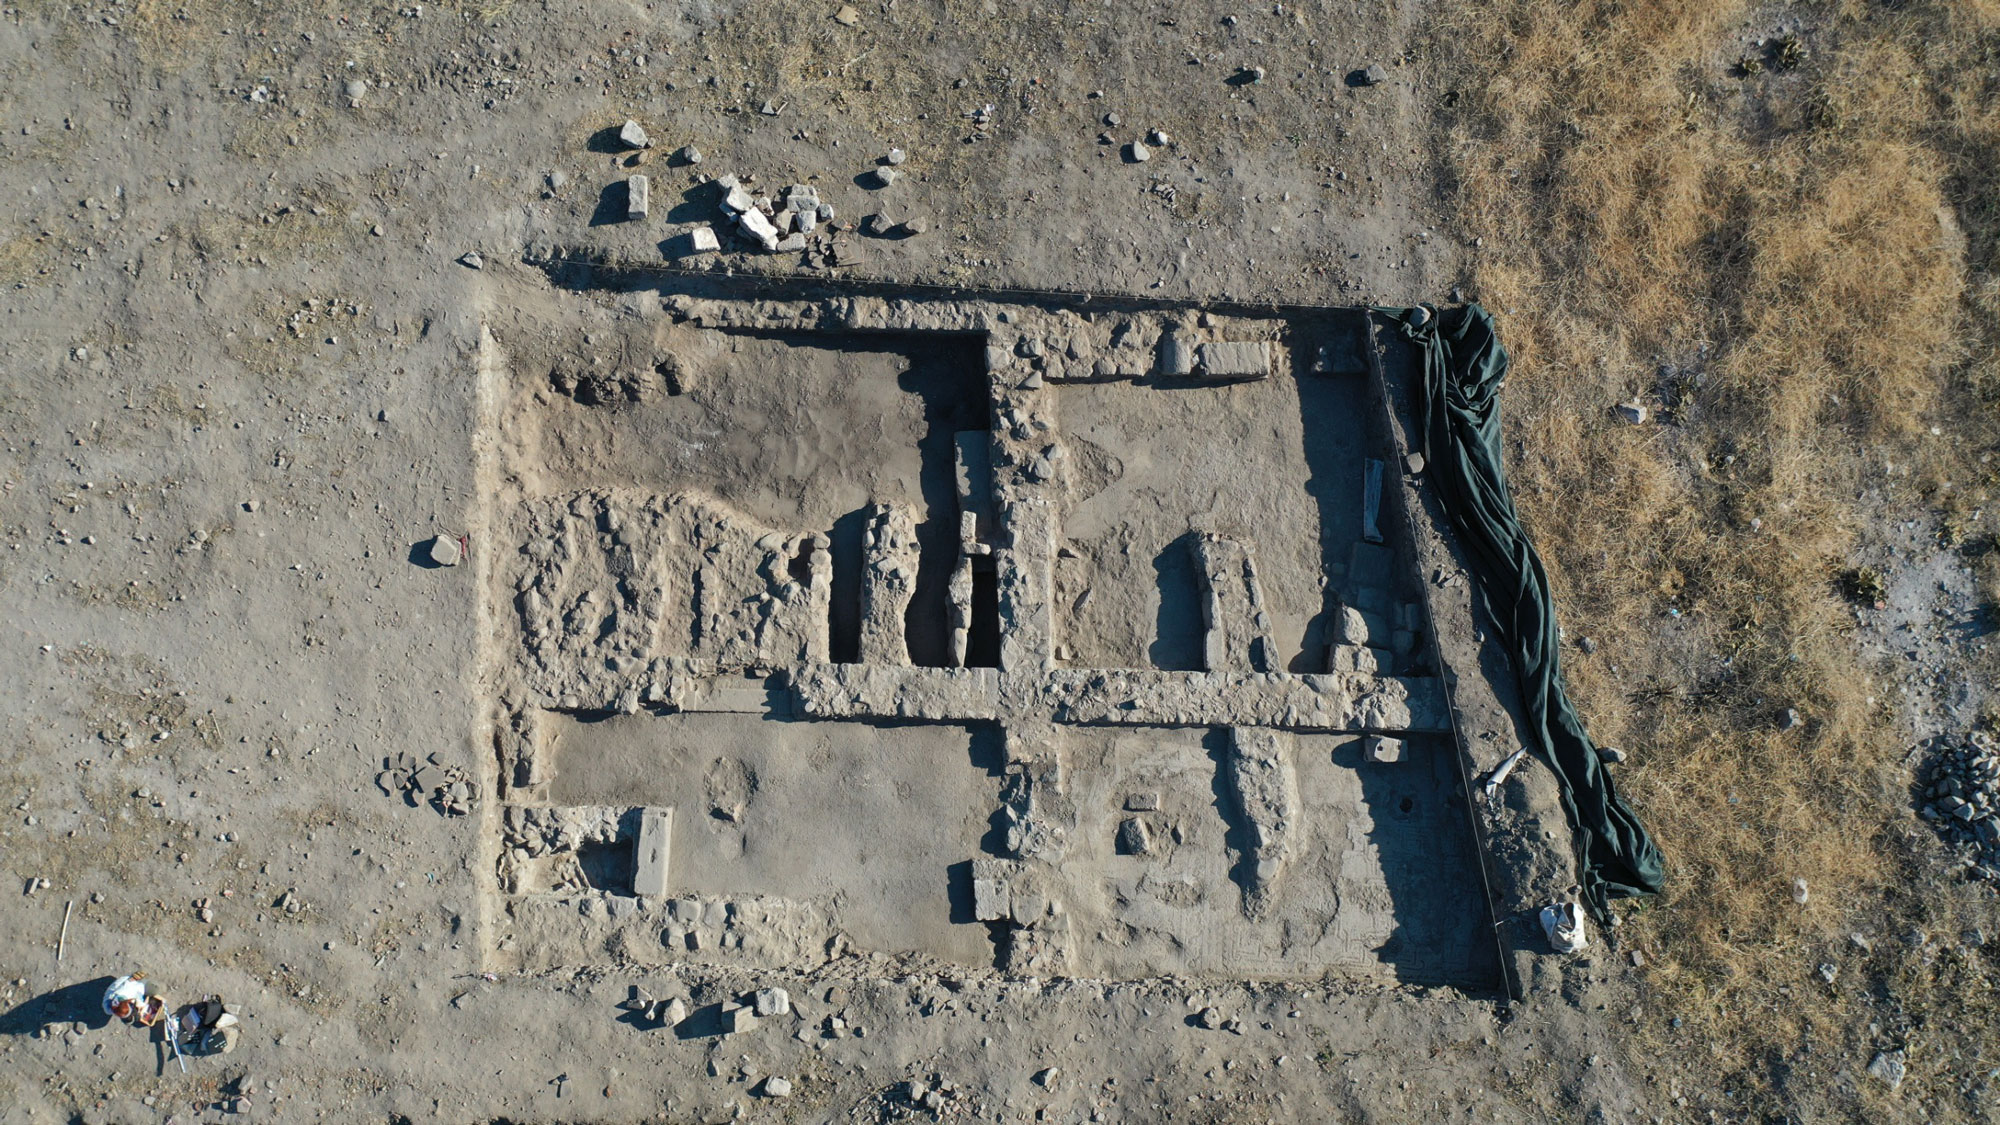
{"x": 1138, "y": 153}
{"x": 882, "y": 176}
{"x": 1633, "y": 412}
{"x": 776, "y": 1087}
{"x": 878, "y": 225}
{"x": 689, "y": 155}
{"x": 910, "y": 228}
{"x": 1250, "y": 74}
{"x": 895, "y": 156}
{"x": 1134, "y": 838}
{"x": 356, "y": 89}
{"x": 1046, "y": 1077}
{"x": 771, "y": 1002}
{"x": 1828, "y": 971}
{"x": 445, "y": 551}
{"x": 632, "y": 135}
{"x": 471, "y": 260}
{"x": 1800, "y": 892}
{"x": 1962, "y": 798}
{"x": 846, "y": 16}
{"x": 1212, "y": 1018}
{"x": 1889, "y": 1068}
{"x": 1371, "y": 75}
{"x": 1790, "y": 721}
{"x": 1611, "y": 754}
{"x": 1158, "y": 139}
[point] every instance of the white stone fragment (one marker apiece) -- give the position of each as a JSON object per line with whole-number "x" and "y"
{"x": 771, "y": 1002}
{"x": 758, "y": 227}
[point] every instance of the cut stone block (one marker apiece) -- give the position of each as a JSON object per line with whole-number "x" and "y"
{"x": 1371, "y": 502}
{"x": 1373, "y": 599}
{"x": 655, "y": 849}
{"x": 638, "y": 196}
{"x": 1176, "y": 354}
{"x": 1371, "y": 564}
{"x": 1134, "y": 838}
{"x": 737, "y": 1019}
{"x": 701, "y": 240}
{"x": 990, "y": 901}
{"x": 1234, "y": 359}
{"x": 1378, "y": 749}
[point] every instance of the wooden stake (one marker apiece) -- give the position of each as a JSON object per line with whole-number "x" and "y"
{"x": 64, "y": 936}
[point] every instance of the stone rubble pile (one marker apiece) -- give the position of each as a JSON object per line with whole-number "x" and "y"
{"x": 1962, "y": 799}
{"x": 775, "y": 225}
{"x": 795, "y": 220}
{"x": 447, "y": 789}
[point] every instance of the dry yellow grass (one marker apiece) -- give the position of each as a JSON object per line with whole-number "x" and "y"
{"x": 1796, "y": 265}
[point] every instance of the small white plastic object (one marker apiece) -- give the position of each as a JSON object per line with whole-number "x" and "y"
{"x": 1563, "y": 923}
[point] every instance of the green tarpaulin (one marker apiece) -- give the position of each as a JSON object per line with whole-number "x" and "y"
{"x": 1459, "y": 418}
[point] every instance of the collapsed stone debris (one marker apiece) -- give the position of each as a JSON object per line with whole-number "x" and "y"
{"x": 1962, "y": 801}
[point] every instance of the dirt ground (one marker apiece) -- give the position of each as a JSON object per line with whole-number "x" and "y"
{"x": 278, "y": 318}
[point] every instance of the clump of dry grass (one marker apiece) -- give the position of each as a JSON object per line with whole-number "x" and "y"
{"x": 1794, "y": 265}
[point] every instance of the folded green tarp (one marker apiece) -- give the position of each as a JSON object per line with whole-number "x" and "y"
{"x": 1459, "y": 417}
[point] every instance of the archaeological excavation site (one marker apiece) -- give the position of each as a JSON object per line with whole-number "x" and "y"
{"x": 1020, "y": 637}
{"x": 1351, "y": 562}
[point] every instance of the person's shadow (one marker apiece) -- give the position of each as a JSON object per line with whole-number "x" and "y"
{"x": 83, "y": 1001}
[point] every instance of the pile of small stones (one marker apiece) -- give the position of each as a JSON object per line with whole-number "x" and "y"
{"x": 773, "y": 224}
{"x": 448, "y": 789}
{"x": 1962, "y": 799}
